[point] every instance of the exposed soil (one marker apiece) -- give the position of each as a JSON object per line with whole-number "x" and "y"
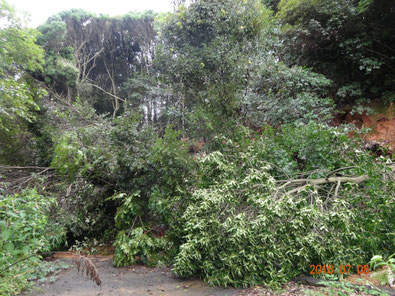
{"x": 133, "y": 280}
{"x": 140, "y": 280}
{"x": 384, "y": 131}
{"x": 382, "y": 125}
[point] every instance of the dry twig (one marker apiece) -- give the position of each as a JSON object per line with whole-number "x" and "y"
{"x": 85, "y": 264}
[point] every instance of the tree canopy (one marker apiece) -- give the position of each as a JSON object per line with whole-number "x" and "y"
{"x": 19, "y": 54}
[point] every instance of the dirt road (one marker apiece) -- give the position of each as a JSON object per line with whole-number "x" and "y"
{"x": 144, "y": 281}
{"x": 134, "y": 280}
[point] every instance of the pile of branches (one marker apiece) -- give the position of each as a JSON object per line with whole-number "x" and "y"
{"x": 14, "y": 179}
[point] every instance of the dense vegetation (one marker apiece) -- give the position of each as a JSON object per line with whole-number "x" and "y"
{"x": 203, "y": 138}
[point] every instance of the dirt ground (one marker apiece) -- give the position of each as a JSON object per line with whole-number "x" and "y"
{"x": 381, "y": 123}
{"x": 134, "y": 280}
{"x": 144, "y": 281}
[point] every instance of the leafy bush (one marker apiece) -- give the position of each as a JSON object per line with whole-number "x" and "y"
{"x": 139, "y": 246}
{"x": 84, "y": 159}
{"x": 96, "y": 161}
{"x": 202, "y": 53}
{"x": 142, "y": 173}
{"x": 335, "y": 38}
{"x": 241, "y": 229}
{"x": 316, "y": 147}
{"x": 157, "y": 199}
{"x": 278, "y": 94}
{"x": 378, "y": 261}
{"x": 386, "y": 277}
{"x": 24, "y": 232}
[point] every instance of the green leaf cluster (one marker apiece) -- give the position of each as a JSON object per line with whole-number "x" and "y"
{"x": 348, "y": 41}
{"x": 25, "y": 230}
{"x": 279, "y": 94}
{"x": 19, "y": 55}
{"x": 239, "y": 230}
{"x": 139, "y": 246}
{"x": 145, "y": 175}
{"x": 203, "y": 53}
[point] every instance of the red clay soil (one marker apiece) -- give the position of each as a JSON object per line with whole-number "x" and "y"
{"x": 384, "y": 131}
{"x": 382, "y": 127}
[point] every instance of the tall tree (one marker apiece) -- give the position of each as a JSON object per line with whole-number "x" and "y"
{"x": 203, "y": 52}
{"x": 18, "y": 95}
{"x": 67, "y": 39}
{"x": 60, "y": 72}
{"x": 144, "y": 82}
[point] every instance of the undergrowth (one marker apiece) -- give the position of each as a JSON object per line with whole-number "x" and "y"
{"x": 25, "y": 233}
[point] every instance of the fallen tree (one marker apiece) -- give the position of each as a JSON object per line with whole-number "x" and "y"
{"x": 243, "y": 226}
{"x": 303, "y": 183}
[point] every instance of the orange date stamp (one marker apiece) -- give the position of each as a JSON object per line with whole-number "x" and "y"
{"x": 343, "y": 269}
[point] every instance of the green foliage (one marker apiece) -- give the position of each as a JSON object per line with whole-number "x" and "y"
{"x": 219, "y": 66}
{"x": 348, "y": 41}
{"x": 378, "y": 261}
{"x": 68, "y": 156}
{"x": 84, "y": 158}
{"x": 60, "y": 71}
{"x": 203, "y": 54}
{"x": 314, "y": 147}
{"x": 173, "y": 172}
{"x": 19, "y": 107}
{"x": 385, "y": 276}
{"x": 25, "y": 231}
{"x": 17, "y": 101}
{"x": 18, "y": 50}
{"x": 45, "y": 268}
{"x": 18, "y": 94}
{"x": 139, "y": 246}
{"x": 239, "y": 230}
{"x": 343, "y": 288}
{"x": 144, "y": 174}
{"x": 53, "y": 32}
{"x": 158, "y": 198}
{"x": 278, "y": 94}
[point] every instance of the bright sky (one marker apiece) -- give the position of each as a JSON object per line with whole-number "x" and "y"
{"x": 40, "y": 10}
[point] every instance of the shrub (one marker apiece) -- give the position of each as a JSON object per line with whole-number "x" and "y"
{"x": 24, "y": 232}
{"x": 315, "y": 147}
{"x": 84, "y": 159}
{"x": 143, "y": 174}
{"x": 278, "y": 94}
{"x": 155, "y": 205}
{"x": 139, "y": 246}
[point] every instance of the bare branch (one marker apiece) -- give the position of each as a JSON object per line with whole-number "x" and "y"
{"x": 24, "y": 167}
{"x": 296, "y": 189}
{"x": 341, "y": 169}
{"x": 337, "y": 188}
{"x": 110, "y": 94}
{"x": 303, "y": 183}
